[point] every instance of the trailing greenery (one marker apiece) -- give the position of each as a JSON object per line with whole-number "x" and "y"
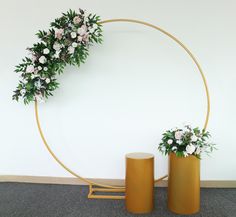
{"x": 185, "y": 142}
{"x": 66, "y": 42}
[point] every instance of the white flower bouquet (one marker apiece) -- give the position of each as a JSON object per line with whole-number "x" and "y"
{"x": 186, "y": 141}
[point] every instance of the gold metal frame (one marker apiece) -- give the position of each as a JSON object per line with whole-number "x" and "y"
{"x": 98, "y": 187}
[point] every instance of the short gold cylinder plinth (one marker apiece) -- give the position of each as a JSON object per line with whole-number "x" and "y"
{"x": 184, "y": 184}
{"x": 139, "y": 182}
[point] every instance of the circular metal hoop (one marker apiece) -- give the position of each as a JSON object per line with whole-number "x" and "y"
{"x": 193, "y": 59}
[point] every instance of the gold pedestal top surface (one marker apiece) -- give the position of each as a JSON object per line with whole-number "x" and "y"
{"x": 139, "y": 155}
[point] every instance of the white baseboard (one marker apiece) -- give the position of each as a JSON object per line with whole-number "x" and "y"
{"x": 118, "y": 182}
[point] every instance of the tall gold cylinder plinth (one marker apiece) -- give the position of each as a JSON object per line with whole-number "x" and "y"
{"x": 139, "y": 182}
{"x": 184, "y": 184}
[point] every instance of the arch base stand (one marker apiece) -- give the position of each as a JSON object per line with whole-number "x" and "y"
{"x": 103, "y": 193}
{"x": 93, "y": 189}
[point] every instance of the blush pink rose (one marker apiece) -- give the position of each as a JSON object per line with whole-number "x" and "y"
{"x": 82, "y": 30}
{"x": 59, "y": 33}
{"x": 76, "y": 20}
{"x": 86, "y": 38}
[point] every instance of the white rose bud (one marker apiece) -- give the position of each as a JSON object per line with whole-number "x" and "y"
{"x": 80, "y": 38}
{"x": 45, "y": 69}
{"x": 73, "y": 35}
{"x": 190, "y": 149}
{"x": 170, "y": 141}
{"x": 56, "y": 46}
{"x": 74, "y": 44}
{"x": 71, "y": 50}
{"x": 42, "y": 59}
{"x": 194, "y": 138}
{"x": 48, "y": 80}
{"x": 39, "y": 68}
{"x": 46, "y": 51}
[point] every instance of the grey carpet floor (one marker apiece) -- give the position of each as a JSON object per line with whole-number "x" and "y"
{"x": 38, "y": 200}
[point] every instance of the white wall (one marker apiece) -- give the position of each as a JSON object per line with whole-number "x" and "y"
{"x": 132, "y": 88}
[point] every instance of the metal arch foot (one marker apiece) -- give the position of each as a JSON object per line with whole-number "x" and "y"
{"x": 93, "y": 189}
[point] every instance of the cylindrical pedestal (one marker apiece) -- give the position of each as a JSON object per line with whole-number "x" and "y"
{"x": 184, "y": 184}
{"x": 139, "y": 182}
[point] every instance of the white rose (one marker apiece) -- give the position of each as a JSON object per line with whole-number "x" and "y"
{"x": 178, "y": 135}
{"x": 42, "y": 59}
{"x": 48, "y": 80}
{"x": 45, "y": 68}
{"x": 74, "y": 44}
{"x": 80, "y": 38}
{"x": 170, "y": 141}
{"x": 39, "y": 68}
{"x": 30, "y": 68}
{"x": 56, "y": 46}
{"x": 46, "y": 51}
{"x": 194, "y": 138}
{"x": 71, "y": 50}
{"x": 190, "y": 149}
{"x": 23, "y": 91}
{"x": 73, "y": 35}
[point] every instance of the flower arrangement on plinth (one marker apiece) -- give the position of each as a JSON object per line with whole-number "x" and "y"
{"x": 186, "y": 141}
{"x": 66, "y": 42}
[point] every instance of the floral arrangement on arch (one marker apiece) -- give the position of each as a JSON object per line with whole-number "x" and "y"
{"x": 66, "y": 42}
{"x": 186, "y": 141}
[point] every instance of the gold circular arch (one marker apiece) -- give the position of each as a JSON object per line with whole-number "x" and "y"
{"x": 90, "y": 182}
